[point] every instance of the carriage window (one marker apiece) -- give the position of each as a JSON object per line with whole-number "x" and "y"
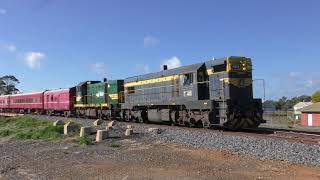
{"x": 131, "y": 90}
{"x": 188, "y": 79}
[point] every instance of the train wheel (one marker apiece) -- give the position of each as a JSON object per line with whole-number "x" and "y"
{"x": 49, "y": 113}
{"x": 121, "y": 115}
{"x": 67, "y": 114}
{"x": 108, "y": 117}
{"x": 174, "y": 118}
{"x": 99, "y": 115}
{"x": 187, "y": 124}
{"x": 199, "y": 124}
{"x": 140, "y": 118}
{"x": 77, "y": 114}
{"x": 126, "y": 116}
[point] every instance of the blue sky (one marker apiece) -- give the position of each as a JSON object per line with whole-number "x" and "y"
{"x": 58, "y": 43}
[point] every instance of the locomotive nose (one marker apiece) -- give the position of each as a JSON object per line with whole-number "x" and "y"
{"x": 244, "y": 117}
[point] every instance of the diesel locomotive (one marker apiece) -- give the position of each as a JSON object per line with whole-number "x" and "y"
{"x": 212, "y": 93}
{"x": 99, "y": 99}
{"x": 217, "y": 92}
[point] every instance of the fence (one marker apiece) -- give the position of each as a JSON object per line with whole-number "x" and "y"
{"x": 280, "y": 118}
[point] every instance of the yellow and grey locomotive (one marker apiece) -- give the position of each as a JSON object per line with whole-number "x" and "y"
{"x": 213, "y": 93}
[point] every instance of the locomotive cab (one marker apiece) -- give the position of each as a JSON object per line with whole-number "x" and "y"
{"x": 232, "y": 92}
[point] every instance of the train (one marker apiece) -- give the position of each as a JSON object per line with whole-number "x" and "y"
{"x": 212, "y": 93}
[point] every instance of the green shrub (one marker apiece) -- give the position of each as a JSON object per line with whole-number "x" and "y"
{"x": 114, "y": 145}
{"x": 46, "y": 132}
{"x": 5, "y": 133}
{"x": 30, "y": 123}
{"x": 30, "y": 128}
{"x": 5, "y": 121}
{"x": 85, "y": 140}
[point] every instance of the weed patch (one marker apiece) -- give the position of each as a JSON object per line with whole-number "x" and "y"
{"x": 5, "y": 133}
{"x": 85, "y": 140}
{"x": 114, "y": 144}
{"x": 29, "y": 128}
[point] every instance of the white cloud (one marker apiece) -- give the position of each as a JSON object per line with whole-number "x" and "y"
{"x": 310, "y": 83}
{"x": 34, "y": 59}
{"x": 143, "y": 68}
{"x": 150, "y": 41}
{"x": 172, "y": 62}
{"x": 10, "y": 47}
{"x": 99, "y": 68}
{"x": 3, "y": 11}
{"x": 294, "y": 75}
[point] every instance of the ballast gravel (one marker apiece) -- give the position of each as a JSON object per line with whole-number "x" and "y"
{"x": 262, "y": 148}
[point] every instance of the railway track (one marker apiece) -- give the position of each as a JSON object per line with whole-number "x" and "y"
{"x": 286, "y": 134}
{"x": 10, "y": 115}
{"x": 299, "y": 136}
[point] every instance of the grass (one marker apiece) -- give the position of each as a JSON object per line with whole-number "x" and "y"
{"x": 29, "y": 128}
{"x": 5, "y": 133}
{"x": 85, "y": 140}
{"x": 114, "y": 145}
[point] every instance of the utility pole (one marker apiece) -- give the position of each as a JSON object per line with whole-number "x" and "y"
{"x": 264, "y": 88}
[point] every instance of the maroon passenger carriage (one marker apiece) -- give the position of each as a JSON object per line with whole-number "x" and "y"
{"x": 59, "y": 101}
{"x": 27, "y": 102}
{"x": 4, "y": 103}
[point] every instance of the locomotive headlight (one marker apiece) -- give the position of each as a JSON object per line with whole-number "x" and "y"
{"x": 244, "y": 67}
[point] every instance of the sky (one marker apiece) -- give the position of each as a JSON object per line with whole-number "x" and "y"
{"x": 50, "y": 44}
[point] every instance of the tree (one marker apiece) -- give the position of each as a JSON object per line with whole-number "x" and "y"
{"x": 8, "y": 84}
{"x": 281, "y": 103}
{"x": 295, "y": 100}
{"x": 316, "y": 97}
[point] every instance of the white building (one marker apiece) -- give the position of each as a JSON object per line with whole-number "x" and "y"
{"x": 297, "y": 108}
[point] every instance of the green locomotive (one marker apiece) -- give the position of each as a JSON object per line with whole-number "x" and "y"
{"x": 98, "y": 99}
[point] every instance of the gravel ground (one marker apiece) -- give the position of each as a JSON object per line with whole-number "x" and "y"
{"x": 136, "y": 158}
{"x": 266, "y": 148}
{"x": 262, "y": 148}
{"x": 175, "y": 153}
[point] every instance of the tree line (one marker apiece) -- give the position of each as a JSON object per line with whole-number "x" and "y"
{"x": 285, "y": 103}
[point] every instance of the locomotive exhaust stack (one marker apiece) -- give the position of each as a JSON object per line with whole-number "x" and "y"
{"x": 165, "y": 67}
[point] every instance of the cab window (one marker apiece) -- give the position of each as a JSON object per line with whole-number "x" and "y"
{"x": 219, "y": 68}
{"x": 187, "y": 79}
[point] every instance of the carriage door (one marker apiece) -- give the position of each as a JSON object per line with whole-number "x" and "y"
{"x": 58, "y": 102}
{"x": 47, "y": 102}
{"x": 203, "y": 84}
